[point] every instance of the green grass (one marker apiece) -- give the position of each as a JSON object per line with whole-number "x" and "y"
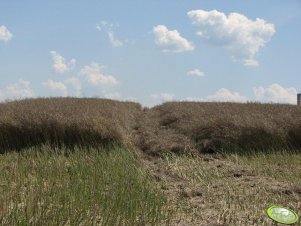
{"x": 86, "y": 187}
{"x": 44, "y": 186}
{"x": 281, "y": 165}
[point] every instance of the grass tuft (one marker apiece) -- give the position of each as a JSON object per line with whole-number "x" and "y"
{"x": 82, "y": 187}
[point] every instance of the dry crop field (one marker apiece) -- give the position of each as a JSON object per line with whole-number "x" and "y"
{"x": 89, "y": 161}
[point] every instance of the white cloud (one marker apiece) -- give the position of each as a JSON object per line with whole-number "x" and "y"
{"x": 56, "y": 86}
{"x": 117, "y": 96}
{"x": 115, "y": 42}
{"x": 95, "y": 77}
{"x": 167, "y": 96}
{"x": 241, "y": 36}
{"x": 104, "y": 25}
{"x": 163, "y": 96}
{"x": 108, "y": 28}
{"x": 59, "y": 65}
{"x": 132, "y": 99}
{"x": 74, "y": 81}
{"x": 171, "y": 40}
{"x": 113, "y": 96}
{"x": 196, "y": 72}
{"x": 21, "y": 89}
{"x": 222, "y": 95}
{"x": 259, "y": 92}
{"x": 5, "y": 34}
{"x": 251, "y": 62}
{"x": 194, "y": 99}
{"x": 225, "y": 95}
{"x": 276, "y": 93}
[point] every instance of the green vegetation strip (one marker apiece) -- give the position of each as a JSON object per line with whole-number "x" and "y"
{"x": 85, "y": 187}
{"x": 281, "y": 165}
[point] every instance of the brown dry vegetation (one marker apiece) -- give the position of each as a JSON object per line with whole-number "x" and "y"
{"x": 65, "y": 122}
{"x": 214, "y": 127}
{"x": 175, "y": 126}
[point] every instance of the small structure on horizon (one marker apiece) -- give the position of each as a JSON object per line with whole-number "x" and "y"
{"x": 299, "y": 99}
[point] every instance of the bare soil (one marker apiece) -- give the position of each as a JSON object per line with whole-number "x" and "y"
{"x": 197, "y": 204}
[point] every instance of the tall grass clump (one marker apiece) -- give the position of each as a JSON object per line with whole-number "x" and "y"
{"x": 66, "y": 122}
{"x": 282, "y": 165}
{"x": 82, "y": 187}
{"x": 183, "y": 127}
{"x": 179, "y": 127}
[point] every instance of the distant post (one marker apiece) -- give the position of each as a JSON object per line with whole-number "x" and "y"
{"x": 299, "y": 99}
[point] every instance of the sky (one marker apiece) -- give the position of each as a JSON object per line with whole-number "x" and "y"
{"x": 151, "y": 51}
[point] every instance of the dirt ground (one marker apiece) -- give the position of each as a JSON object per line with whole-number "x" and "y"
{"x": 200, "y": 205}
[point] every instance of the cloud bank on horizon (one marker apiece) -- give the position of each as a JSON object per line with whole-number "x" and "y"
{"x": 21, "y": 89}
{"x": 239, "y": 36}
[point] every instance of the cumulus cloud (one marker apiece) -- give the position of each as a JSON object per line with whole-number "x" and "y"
{"x": 225, "y": 95}
{"x": 21, "y": 89}
{"x": 104, "y": 25}
{"x": 259, "y": 92}
{"x": 171, "y": 40}
{"x": 109, "y": 29}
{"x": 74, "y": 81}
{"x": 115, "y": 42}
{"x": 5, "y": 34}
{"x": 56, "y": 86}
{"x": 94, "y": 75}
{"x": 163, "y": 96}
{"x": 113, "y": 96}
{"x": 240, "y": 35}
{"x": 118, "y": 96}
{"x": 276, "y": 93}
{"x": 196, "y": 72}
{"x": 132, "y": 99}
{"x": 221, "y": 95}
{"x": 273, "y": 93}
{"x": 60, "y": 65}
{"x": 194, "y": 99}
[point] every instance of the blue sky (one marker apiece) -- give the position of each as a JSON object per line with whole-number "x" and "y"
{"x": 151, "y": 51}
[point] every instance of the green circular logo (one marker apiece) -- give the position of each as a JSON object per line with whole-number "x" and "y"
{"x": 282, "y": 215}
